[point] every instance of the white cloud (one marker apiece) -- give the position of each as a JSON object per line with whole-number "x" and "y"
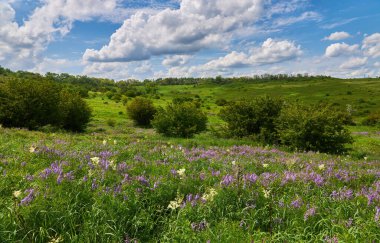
{"x": 376, "y": 64}
{"x": 353, "y": 63}
{"x": 196, "y": 25}
{"x": 337, "y": 36}
{"x": 271, "y": 51}
{"x": 175, "y": 60}
{"x": 116, "y": 71}
{"x": 339, "y": 49}
{"x": 371, "y": 45}
{"x": 22, "y": 45}
{"x": 306, "y": 16}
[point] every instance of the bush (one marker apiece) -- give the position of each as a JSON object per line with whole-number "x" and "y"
{"x": 313, "y": 128}
{"x": 180, "y": 120}
{"x": 141, "y": 110}
{"x": 372, "y": 119}
{"x": 221, "y": 102}
{"x": 75, "y": 113}
{"x": 30, "y": 104}
{"x": 35, "y": 103}
{"x": 257, "y": 117}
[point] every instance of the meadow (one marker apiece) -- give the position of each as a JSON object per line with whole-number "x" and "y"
{"x": 120, "y": 183}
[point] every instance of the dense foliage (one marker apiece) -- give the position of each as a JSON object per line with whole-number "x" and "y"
{"x": 256, "y": 117}
{"x": 35, "y": 103}
{"x": 141, "y": 110}
{"x": 316, "y": 128}
{"x": 183, "y": 119}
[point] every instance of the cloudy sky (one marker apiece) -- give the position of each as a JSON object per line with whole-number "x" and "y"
{"x": 123, "y": 39}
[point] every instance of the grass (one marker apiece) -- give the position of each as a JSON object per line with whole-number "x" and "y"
{"x": 115, "y": 182}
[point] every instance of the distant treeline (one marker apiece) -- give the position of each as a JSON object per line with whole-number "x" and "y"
{"x": 133, "y": 87}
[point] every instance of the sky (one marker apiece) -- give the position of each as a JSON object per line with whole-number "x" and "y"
{"x": 149, "y": 39}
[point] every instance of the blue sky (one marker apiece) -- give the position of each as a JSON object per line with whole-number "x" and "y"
{"x": 140, "y": 39}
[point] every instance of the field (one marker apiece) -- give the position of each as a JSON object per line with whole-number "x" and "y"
{"x": 117, "y": 182}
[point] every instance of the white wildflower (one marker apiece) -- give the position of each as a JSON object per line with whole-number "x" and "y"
{"x": 17, "y": 194}
{"x": 209, "y": 196}
{"x": 114, "y": 142}
{"x": 321, "y": 167}
{"x": 95, "y": 160}
{"x": 265, "y": 165}
{"x": 104, "y": 142}
{"x": 266, "y": 193}
{"x": 176, "y": 203}
{"x": 233, "y": 162}
{"x": 181, "y": 172}
{"x": 32, "y": 149}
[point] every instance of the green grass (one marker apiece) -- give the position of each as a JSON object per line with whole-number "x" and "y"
{"x": 109, "y": 201}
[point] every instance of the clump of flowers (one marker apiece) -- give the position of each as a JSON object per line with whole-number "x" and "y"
{"x": 210, "y": 194}
{"x": 309, "y": 213}
{"x": 176, "y": 203}
{"x": 199, "y": 226}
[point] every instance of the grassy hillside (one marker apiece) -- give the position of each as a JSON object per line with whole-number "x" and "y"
{"x": 117, "y": 182}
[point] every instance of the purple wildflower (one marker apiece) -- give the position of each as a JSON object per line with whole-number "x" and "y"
{"x": 296, "y": 203}
{"x": 143, "y": 180}
{"x": 309, "y": 213}
{"x": 29, "y": 198}
{"x": 377, "y": 214}
{"x": 227, "y": 180}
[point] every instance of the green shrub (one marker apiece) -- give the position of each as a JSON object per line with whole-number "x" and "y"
{"x": 221, "y": 102}
{"x": 313, "y": 128}
{"x": 74, "y": 111}
{"x": 180, "y": 120}
{"x": 29, "y": 103}
{"x": 141, "y": 110}
{"x": 256, "y": 117}
{"x": 36, "y": 103}
{"x": 372, "y": 119}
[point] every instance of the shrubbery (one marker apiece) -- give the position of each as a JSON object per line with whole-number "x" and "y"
{"x": 270, "y": 120}
{"x": 36, "y": 103}
{"x": 180, "y": 120}
{"x": 316, "y": 128}
{"x": 141, "y": 110}
{"x": 256, "y": 117}
{"x": 372, "y": 119}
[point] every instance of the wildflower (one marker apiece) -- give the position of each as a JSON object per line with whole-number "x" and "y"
{"x": 181, "y": 172}
{"x": 296, "y": 203}
{"x": 321, "y": 167}
{"x": 112, "y": 164}
{"x": 266, "y": 193}
{"x": 114, "y": 142}
{"x": 199, "y": 226}
{"x": 265, "y": 165}
{"x": 209, "y": 196}
{"x": 377, "y": 214}
{"x": 309, "y": 213}
{"x": 29, "y": 198}
{"x": 32, "y": 149}
{"x": 233, "y": 162}
{"x": 104, "y": 142}
{"x": 95, "y": 160}
{"x": 176, "y": 203}
{"x": 227, "y": 180}
{"x": 56, "y": 240}
{"x": 17, "y": 194}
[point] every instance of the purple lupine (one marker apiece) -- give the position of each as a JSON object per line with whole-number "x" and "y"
{"x": 142, "y": 180}
{"x": 29, "y": 178}
{"x": 227, "y": 180}
{"x": 94, "y": 185}
{"x": 309, "y": 213}
{"x": 252, "y": 178}
{"x": 127, "y": 179}
{"x": 377, "y": 214}
{"x": 296, "y": 203}
{"x": 29, "y": 198}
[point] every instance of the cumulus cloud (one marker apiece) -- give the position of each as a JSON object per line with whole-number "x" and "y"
{"x": 22, "y": 45}
{"x": 371, "y": 45}
{"x": 339, "y": 49}
{"x": 376, "y": 64}
{"x": 337, "y": 36}
{"x": 175, "y": 60}
{"x": 353, "y": 63}
{"x": 196, "y": 25}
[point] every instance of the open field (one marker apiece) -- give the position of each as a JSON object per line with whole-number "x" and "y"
{"x": 116, "y": 182}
